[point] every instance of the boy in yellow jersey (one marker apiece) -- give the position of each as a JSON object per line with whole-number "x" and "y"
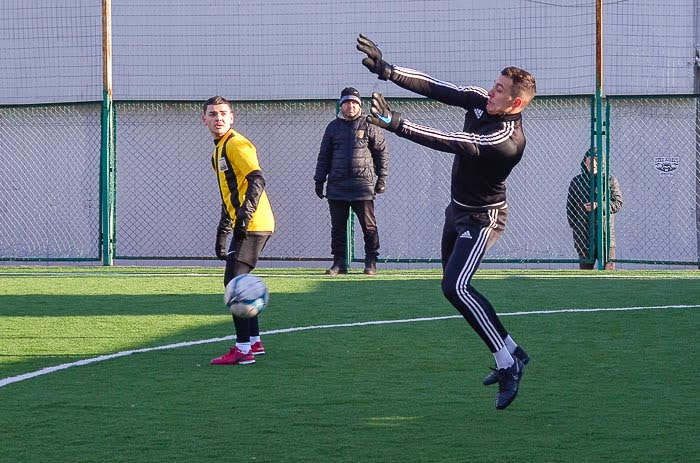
{"x": 244, "y": 204}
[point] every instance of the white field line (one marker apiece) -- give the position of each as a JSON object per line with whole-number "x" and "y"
{"x": 101, "y": 358}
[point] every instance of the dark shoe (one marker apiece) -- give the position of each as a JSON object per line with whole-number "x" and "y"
{"x": 371, "y": 267}
{"x": 492, "y": 378}
{"x": 337, "y": 269}
{"x": 508, "y": 383}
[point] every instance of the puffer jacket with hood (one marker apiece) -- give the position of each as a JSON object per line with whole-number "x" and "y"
{"x": 353, "y": 155}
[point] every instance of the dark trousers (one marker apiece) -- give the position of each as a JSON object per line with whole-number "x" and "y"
{"x": 364, "y": 210}
{"x": 466, "y": 237}
{"x": 608, "y": 265}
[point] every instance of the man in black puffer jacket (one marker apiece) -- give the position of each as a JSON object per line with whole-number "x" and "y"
{"x": 353, "y": 159}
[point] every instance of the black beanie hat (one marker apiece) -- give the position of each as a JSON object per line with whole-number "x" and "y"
{"x": 350, "y": 93}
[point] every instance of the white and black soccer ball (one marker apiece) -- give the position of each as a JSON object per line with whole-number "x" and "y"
{"x": 246, "y": 296}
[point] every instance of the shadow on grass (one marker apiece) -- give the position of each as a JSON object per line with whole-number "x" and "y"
{"x": 113, "y": 322}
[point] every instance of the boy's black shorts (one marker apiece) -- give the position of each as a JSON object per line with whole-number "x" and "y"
{"x": 248, "y": 251}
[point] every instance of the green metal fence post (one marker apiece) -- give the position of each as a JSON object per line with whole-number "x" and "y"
{"x": 600, "y": 192}
{"x": 592, "y": 237}
{"x": 107, "y": 173}
{"x": 106, "y": 183}
{"x": 599, "y": 131}
{"x": 350, "y": 234}
{"x": 606, "y": 183}
{"x": 696, "y": 87}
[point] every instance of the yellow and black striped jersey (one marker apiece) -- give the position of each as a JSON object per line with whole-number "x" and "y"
{"x": 233, "y": 159}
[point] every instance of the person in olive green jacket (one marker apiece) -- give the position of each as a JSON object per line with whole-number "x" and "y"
{"x": 579, "y": 210}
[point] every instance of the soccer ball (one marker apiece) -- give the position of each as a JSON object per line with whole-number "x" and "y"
{"x": 246, "y": 296}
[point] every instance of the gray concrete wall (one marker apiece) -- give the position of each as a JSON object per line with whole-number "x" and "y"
{"x": 252, "y": 50}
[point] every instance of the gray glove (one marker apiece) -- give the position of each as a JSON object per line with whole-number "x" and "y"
{"x": 374, "y": 61}
{"x": 380, "y": 187}
{"x": 382, "y": 115}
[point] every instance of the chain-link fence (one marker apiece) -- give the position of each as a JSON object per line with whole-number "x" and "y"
{"x": 167, "y": 199}
{"x": 655, "y": 154}
{"x": 50, "y": 182}
{"x": 411, "y": 213}
{"x": 167, "y": 202}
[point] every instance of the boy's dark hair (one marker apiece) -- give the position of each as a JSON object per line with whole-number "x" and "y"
{"x": 215, "y": 100}
{"x": 523, "y": 83}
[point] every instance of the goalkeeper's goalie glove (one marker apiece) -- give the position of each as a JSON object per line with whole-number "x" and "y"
{"x": 382, "y": 115}
{"x": 373, "y": 61}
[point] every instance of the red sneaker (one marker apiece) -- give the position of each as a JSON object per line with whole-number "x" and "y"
{"x": 257, "y": 348}
{"x": 234, "y": 357}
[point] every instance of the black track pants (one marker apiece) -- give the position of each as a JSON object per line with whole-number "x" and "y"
{"x": 465, "y": 239}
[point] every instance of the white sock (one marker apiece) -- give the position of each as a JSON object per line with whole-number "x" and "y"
{"x": 503, "y": 358}
{"x": 254, "y": 339}
{"x": 510, "y": 344}
{"x": 243, "y": 347}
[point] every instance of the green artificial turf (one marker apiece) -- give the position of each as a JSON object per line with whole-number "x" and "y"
{"x": 601, "y": 386}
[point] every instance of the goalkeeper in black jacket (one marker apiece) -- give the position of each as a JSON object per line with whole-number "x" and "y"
{"x": 486, "y": 151}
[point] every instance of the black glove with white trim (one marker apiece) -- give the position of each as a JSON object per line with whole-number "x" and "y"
{"x": 220, "y": 246}
{"x": 240, "y": 230}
